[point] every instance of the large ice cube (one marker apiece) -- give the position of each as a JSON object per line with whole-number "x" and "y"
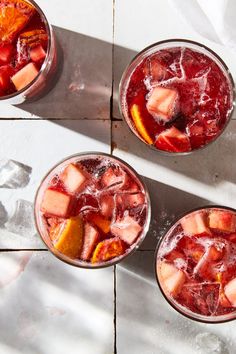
{"x": 14, "y": 174}
{"x": 3, "y": 215}
{"x": 22, "y": 221}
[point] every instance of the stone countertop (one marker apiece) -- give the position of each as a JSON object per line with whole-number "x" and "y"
{"x": 49, "y": 307}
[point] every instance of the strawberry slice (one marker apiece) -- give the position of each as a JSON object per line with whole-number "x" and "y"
{"x": 171, "y": 278}
{"x": 108, "y": 249}
{"x": 24, "y": 76}
{"x": 130, "y": 201}
{"x": 56, "y": 203}
{"x": 6, "y": 72}
{"x": 127, "y": 229}
{"x": 70, "y": 239}
{"x": 107, "y": 205}
{"x": 14, "y": 15}
{"x": 230, "y": 291}
{"x": 114, "y": 177}
{"x": 163, "y": 103}
{"x": 91, "y": 236}
{"x": 37, "y": 54}
{"x": 74, "y": 178}
{"x": 195, "y": 224}
{"x": 173, "y": 140}
{"x": 5, "y": 53}
{"x": 224, "y": 221}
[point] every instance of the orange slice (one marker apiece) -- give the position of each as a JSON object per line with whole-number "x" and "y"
{"x": 108, "y": 249}
{"x": 135, "y": 113}
{"x": 14, "y": 15}
{"x": 101, "y": 222}
{"x": 70, "y": 240}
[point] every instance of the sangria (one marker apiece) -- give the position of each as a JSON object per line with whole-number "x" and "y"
{"x": 196, "y": 264}
{"x": 177, "y": 96}
{"x": 27, "y": 50}
{"x": 92, "y": 210}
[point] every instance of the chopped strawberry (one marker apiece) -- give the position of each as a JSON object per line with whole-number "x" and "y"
{"x": 215, "y": 253}
{"x": 195, "y": 224}
{"x": 107, "y": 205}
{"x": 91, "y": 236}
{"x": 5, "y": 76}
{"x": 56, "y": 203}
{"x": 74, "y": 178}
{"x": 230, "y": 291}
{"x": 37, "y": 53}
{"x": 173, "y": 255}
{"x": 222, "y": 220}
{"x": 163, "y": 103}
{"x": 114, "y": 177}
{"x": 108, "y": 249}
{"x": 129, "y": 201}
{"x": 5, "y": 53}
{"x": 127, "y": 229}
{"x": 171, "y": 278}
{"x": 25, "y": 76}
{"x": 70, "y": 238}
{"x": 173, "y": 140}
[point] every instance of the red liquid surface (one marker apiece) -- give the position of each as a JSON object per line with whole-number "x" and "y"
{"x": 27, "y": 36}
{"x": 207, "y": 262}
{"x": 205, "y": 97}
{"x": 103, "y": 203}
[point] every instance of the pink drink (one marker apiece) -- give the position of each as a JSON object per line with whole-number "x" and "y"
{"x": 92, "y": 210}
{"x": 196, "y": 264}
{"x": 177, "y": 96}
{"x": 27, "y": 50}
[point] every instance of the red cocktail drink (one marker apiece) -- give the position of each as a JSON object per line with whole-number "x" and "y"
{"x": 27, "y": 50}
{"x": 177, "y": 96}
{"x": 196, "y": 264}
{"x": 92, "y": 210}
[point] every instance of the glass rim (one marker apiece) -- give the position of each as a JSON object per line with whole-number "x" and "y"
{"x": 46, "y": 59}
{"x": 190, "y": 314}
{"x": 184, "y": 41}
{"x": 77, "y": 262}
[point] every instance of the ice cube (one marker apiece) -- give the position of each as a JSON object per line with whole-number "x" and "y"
{"x": 209, "y": 343}
{"x": 3, "y": 215}
{"x": 22, "y": 221}
{"x": 14, "y": 174}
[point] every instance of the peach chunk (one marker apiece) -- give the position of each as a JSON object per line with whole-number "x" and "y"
{"x": 163, "y": 103}
{"x": 108, "y": 249}
{"x": 74, "y": 178}
{"x": 230, "y": 291}
{"x": 56, "y": 203}
{"x": 195, "y": 224}
{"x": 24, "y": 76}
{"x": 37, "y": 53}
{"x": 127, "y": 229}
{"x": 91, "y": 236}
{"x": 222, "y": 220}
{"x": 171, "y": 278}
{"x": 173, "y": 140}
{"x": 70, "y": 240}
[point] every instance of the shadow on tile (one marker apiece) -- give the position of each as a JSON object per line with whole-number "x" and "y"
{"x": 144, "y": 310}
{"x": 210, "y": 166}
{"x": 83, "y": 89}
{"x": 168, "y": 203}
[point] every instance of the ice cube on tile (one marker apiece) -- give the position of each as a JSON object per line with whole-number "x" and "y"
{"x": 22, "y": 221}
{"x": 3, "y": 215}
{"x": 14, "y": 174}
{"x": 209, "y": 343}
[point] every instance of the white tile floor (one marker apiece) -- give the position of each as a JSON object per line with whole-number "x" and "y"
{"x": 47, "y": 306}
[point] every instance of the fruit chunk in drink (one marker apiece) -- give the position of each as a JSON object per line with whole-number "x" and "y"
{"x": 23, "y": 45}
{"x": 196, "y": 263}
{"x": 177, "y": 99}
{"x": 93, "y": 209}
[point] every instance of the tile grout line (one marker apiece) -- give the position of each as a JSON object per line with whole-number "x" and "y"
{"x": 23, "y": 250}
{"x": 114, "y": 319}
